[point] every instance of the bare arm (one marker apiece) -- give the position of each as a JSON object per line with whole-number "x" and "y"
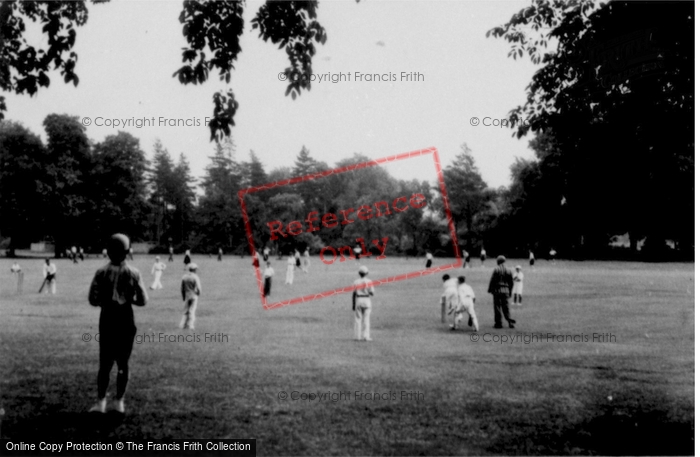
{"x": 141, "y": 295}
{"x": 93, "y": 294}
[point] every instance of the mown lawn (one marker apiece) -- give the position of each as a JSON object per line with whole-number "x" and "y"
{"x": 628, "y": 392}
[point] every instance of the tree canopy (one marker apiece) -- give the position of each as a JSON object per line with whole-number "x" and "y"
{"x": 212, "y": 30}
{"x": 611, "y": 108}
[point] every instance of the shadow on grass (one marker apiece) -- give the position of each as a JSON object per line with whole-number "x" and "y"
{"x": 610, "y": 431}
{"x": 62, "y": 425}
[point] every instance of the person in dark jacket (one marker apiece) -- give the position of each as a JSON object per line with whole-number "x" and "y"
{"x": 115, "y": 288}
{"x": 501, "y": 287}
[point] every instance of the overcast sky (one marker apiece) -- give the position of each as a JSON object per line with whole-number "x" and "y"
{"x": 129, "y": 50}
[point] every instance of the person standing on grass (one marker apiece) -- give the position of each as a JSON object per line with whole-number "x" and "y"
{"x": 518, "y": 278}
{"x": 467, "y": 261}
{"x": 482, "y": 256}
{"x": 268, "y": 273}
{"x": 170, "y": 254}
{"x": 532, "y": 259}
{"x": 297, "y": 258}
{"x": 131, "y": 254}
{"x": 429, "y": 260}
{"x": 256, "y": 259}
{"x": 266, "y": 254}
{"x": 15, "y": 269}
{"x": 362, "y": 304}
{"x": 290, "y": 270}
{"x": 191, "y": 289}
{"x": 81, "y": 254}
{"x": 467, "y": 299}
{"x": 49, "y": 277}
{"x": 449, "y": 298}
{"x": 501, "y": 287}
{"x": 357, "y": 251}
{"x": 187, "y": 259}
{"x": 157, "y": 270}
{"x": 115, "y": 288}
{"x": 220, "y": 255}
{"x": 306, "y": 262}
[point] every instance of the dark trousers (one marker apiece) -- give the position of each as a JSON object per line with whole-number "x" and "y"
{"x": 500, "y": 304}
{"x": 268, "y": 286}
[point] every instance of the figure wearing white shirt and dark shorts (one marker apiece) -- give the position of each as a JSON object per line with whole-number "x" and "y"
{"x": 268, "y": 273}
{"x": 429, "y": 260}
{"x": 465, "y": 254}
{"x": 362, "y": 304}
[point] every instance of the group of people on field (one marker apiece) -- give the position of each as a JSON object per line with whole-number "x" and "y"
{"x": 115, "y": 288}
{"x": 458, "y": 297}
{"x": 118, "y": 286}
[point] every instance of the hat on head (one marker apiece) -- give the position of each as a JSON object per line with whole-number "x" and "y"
{"x": 364, "y": 270}
{"x": 445, "y": 277}
{"x": 192, "y": 267}
{"x": 500, "y": 259}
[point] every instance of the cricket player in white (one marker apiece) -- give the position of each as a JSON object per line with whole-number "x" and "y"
{"x": 49, "y": 277}
{"x": 157, "y": 270}
{"x": 362, "y": 304}
{"x": 518, "y": 278}
{"x": 17, "y": 270}
{"x": 191, "y": 288}
{"x": 467, "y": 298}
{"x": 291, "y": 263}
{"x": 306, "y": 262}
{"x": 449, "y": 298}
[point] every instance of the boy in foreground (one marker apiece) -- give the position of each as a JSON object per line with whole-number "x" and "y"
{"x": 115, "y": 288}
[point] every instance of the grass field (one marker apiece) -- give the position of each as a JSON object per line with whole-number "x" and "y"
{"x": 630, "y": 395}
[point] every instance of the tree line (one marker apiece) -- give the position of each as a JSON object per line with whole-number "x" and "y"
{"x": 73, "y": 191}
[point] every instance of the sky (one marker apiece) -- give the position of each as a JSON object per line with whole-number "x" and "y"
{"x": 129, "y": 50}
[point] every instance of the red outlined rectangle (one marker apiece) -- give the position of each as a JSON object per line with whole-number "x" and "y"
{"x": 424, "y": 272}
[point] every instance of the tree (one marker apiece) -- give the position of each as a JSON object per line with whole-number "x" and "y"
{"x": 22, "y": 204}
{"x": 466, "y": 193}
{"x": 184, "y": 199}
{"x": 67, "y": 187}
{"x": 254, "y": 172}
{"x": 314, "y": 191}
{"x": 616, "y": 96}
{"x": 160, "y": 183}
{"x": 119, "y": 182}
{"x": 218, "y": 212}
{"x": 212, "y": 29}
